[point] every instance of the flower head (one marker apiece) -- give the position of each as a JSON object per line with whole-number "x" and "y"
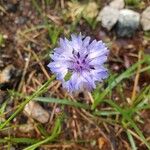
{"x": 79, "y": 63}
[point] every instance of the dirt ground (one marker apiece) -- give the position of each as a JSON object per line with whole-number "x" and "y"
{"x": 24, "y": 52}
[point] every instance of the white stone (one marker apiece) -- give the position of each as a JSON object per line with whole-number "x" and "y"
{"x": 26, "y": 128}
{"x": 5, "y": 75}
{"x": 117, "y": 4}
{"x": 145, "y": 19}
{"x": 128, "y": 23}
{"x": 108, "y": 17}
{"x": 35, "y": 111}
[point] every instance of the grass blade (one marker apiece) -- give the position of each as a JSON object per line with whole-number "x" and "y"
{"x": 121, "y": 77}
{"x": 126, "y": 115}
{"x": 62, "y": 101}
{"x": 55, "y": 133}
{"x": 19, "y": 140}
{"x": 131, "y": 140}
{"x": 41, "y": 90}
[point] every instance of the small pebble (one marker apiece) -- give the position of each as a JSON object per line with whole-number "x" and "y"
{"x": 35, "y": 111}
{"x": 5, "y": 75}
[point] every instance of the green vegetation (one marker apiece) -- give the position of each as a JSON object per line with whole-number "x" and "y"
{"x": 132, "y": 2}
{"x": 113, "y": 104}
{"x": 1, "y": 40}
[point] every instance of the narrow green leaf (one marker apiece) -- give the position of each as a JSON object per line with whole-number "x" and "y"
{"x": 37, "y": 7}
{"x": 131, "y": 140}
{"x": 127, "y": 117}
{"x": 55, "y": 132}
{"x": 41, "y": 90}
{"x": 106, "y": 113}
{"x": 62, "y": 101}
{"x": 129, "y": 72}
{"x": 19, "y": 140}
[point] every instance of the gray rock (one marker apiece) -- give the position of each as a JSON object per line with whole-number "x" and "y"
{"x": 128, "y": 23}
{"x": 145, "y": 19}
{"x": 108, "y": 17}
{"x": 117, "y": 4}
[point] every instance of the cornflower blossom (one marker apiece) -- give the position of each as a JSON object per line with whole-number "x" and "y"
{"x": 79, "y": 63}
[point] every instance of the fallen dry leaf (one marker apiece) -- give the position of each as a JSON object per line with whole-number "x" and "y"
{"x": 102, "y": 143}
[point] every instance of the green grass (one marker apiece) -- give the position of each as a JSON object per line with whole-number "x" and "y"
{"x": 55, "y": 132}
{"x": 62, "y": 102}
{"x": 39, "y": 91}
{"x": 132, "y": 2}
{"x": 53, "y": 33}
{"x": 2, "y": 41}
{"x": 131, "y": 140}
{"x": 18, "y": 140}
{"x": 125, "y": 75}
{"x": 125, "y": 113}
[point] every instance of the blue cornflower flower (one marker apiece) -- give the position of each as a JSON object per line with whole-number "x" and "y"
{"x": 79, "y": 63}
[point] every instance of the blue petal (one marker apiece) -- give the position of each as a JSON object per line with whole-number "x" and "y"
{"x": 98, "y": 53}
{"x": 98, "y": 61}
{"x": 76, "y": 42}
{"x": 86, "y": 41}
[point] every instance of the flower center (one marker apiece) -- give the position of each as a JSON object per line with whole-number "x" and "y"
{"x": 80, "y": 62}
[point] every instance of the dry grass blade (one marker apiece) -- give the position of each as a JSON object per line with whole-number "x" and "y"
{"x": 136, "y": 78}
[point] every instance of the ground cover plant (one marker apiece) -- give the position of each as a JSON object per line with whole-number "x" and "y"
{"x": 38, "y": 112}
